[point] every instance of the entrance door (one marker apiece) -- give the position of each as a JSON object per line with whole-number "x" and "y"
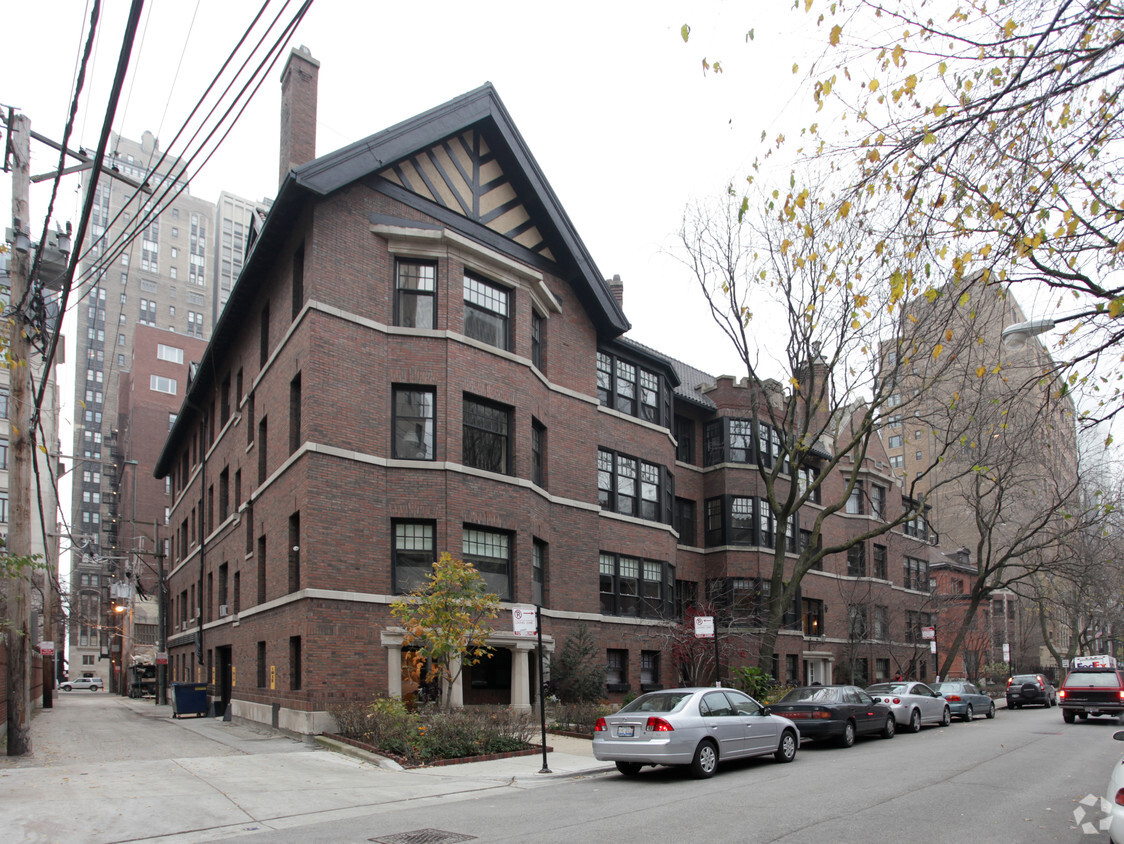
{"x": 224, "y": 678}
{"x": 816, "y": 671}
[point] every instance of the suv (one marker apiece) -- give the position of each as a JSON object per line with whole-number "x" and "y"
{"x": 1094, "y": 686}
{"x": 1027, "y": 689}
{"x": 91, "y": 683}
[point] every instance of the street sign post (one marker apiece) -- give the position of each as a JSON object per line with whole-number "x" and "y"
{"x": 705, "y": 629}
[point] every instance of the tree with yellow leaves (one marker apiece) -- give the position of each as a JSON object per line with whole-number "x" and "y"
{"x": 445, "y": 622}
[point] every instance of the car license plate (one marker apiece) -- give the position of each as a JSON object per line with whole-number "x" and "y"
{"x": 625, "y": 732}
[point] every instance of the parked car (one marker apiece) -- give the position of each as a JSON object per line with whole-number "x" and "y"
{"x": 912, "y": 703}
{"x": 965, "y": 699}
{"x": 91, "y": 683}
{"x": 1114, "y": 797}
{"x": 839, "y": 712}
{"x": 1094, "y": 686}
{"x": 1030, "y": 689}
{"x": 699, "y": 727}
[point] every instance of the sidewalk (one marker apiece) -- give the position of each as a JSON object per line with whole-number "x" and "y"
{"x": 109, "y": 769}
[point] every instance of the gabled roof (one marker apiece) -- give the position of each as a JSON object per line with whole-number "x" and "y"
{"x": 463, "y": 163}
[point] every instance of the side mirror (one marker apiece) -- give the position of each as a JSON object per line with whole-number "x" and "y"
{"x": 765, "y": 710}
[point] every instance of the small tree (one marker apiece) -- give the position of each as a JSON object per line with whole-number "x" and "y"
{"x": 577, "y": 673}
{"x": 444, "y": 621}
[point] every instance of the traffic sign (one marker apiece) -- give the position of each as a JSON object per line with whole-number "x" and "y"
{"x": 704, "y": 627}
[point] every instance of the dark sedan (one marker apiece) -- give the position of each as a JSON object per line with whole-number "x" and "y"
{"x": 836, "y": 712}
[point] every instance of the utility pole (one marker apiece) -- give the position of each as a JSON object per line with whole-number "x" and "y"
{"x": 19, "y": 492}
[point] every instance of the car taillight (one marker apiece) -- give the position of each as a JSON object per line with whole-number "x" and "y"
{"x": 897, "y": 700}
{"x": 658, "y": 725}
{"x": 1120, "y": 797}
{"x": 1009, "y": 679}
{"x": 600, "y": 726}
{"x": 953, "y": 697}
{"x": 1122, "y": 694}
{"x": 1061, "y": 693}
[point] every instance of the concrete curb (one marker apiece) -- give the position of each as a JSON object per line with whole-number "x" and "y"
{"x": 357, "y": 753}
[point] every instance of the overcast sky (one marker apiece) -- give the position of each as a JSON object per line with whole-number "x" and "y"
{"x": 613, "y": 104}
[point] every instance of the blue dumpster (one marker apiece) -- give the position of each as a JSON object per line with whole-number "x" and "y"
{"x": 189, "y": 699}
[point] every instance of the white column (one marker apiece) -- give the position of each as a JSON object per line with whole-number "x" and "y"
{"x": 520, "y": 676}
{"x": 394, "y": 671}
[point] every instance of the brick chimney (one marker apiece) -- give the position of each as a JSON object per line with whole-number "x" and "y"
{"x": 298, "y": 110}
{"x": 616, "y": 287}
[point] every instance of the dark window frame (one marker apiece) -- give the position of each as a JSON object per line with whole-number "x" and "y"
{"x": 486, "y": 563}
{"x": 418, "y": 295}
{"x": 426, "y": 434}
{"x": 482, "y": 321}
{"x": 401, "y": 555}
{"x": 485, "y": 447}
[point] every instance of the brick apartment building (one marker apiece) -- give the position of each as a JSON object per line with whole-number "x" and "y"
{"x": 420, "y": 355}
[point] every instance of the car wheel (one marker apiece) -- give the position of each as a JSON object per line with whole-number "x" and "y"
{"x": 991, "y": 710}
{"x": 786, "y": 751}
{"x": 66, "y": 687}
{"x": 629, "y": 769}
{"x": 705, "y": 762}
{"x": 969, "y": 713}
{"x": 915, "y": 721}
{"x": 93, "y": 688}
{"x": 946, "y": 717}
{"x": 848, "y": 737}
{"x": 889, "y": 728}
{"x": 1068, "y": 716}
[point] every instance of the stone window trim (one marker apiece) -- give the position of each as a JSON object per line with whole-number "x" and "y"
{"x": 440, "y": 244}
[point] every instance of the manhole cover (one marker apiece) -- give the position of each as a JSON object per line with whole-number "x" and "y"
{"x": 424, "y": 836}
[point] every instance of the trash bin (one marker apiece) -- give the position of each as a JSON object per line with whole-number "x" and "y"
{"x": 189, "y": 699}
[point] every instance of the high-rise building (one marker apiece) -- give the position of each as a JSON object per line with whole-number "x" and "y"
{"x": 147, "y": 263}
{"x": 235, "y": 219}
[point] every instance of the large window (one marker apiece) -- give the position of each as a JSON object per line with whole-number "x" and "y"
{"x": 414, "y": 554}
{"x": 625, "y": 386}
{"x": 487, "y": 436}
{"x": 684, "y": 520}
{"x": 414, "y": 411}
{"x": 631, "y": 486}
{"x": 489, "y": 552}
{"x": 855, "y": 500}
{"x": 487, "y": 309}
{"x": 744, "y": 520}
{"x": 856, "y": 560}
{"x": 538, "y": 573}
{"x": 538, "y": 452}
{"x": 729, "y": 440}
{"x": 415, "y": 289}
{"x": 169, "y": 353}
{"x": 916, "y": 574}
{"x": 160, "y": 384}
{"x": 684, "y": 439}
{"x": 880, "y": 569}
{"x": 634, "y": 587}
{"x": 856, "y": 622}
{"x": 812, "y": 612}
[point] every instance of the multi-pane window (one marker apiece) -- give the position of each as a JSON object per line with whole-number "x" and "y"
{"x": 169, "y": 353}
{"x": 414, "y": 420}
{"x": 487, "y": 310}
{"x": 855, "y": 499}
{"x": 487, "y": 436}
{"x": 160, "y": 384}
{"x": 630, "y": 389}
{"x": 538, "y": 452}
{"x": 3, "y": 454}
{"x": 616, "y": 669}
{"x": 914, "y": 622}
{"x": 4, "y": 507}
{"x": 878, "y": 501}
{"x": 194, "y": 324}
{"x": 744, "y": 520}
{"x": 881, "y": 622}
{"x": 856, "y": 622}
{"x": 684, "y": 520}
{"x": 147, "y": 312}
{"x": 684, "y": 439}
{"x": 150, "y": 247}
{"x": 414, "y": 554}
{"x": 881, "y": 570}
{"x": 896, "y": 441}
{"x": 538, "y": 325}
{"x": 415, "y": 287}
{"x": 917, "y": 526}
{"x": 628, "y": 485}
{"x": 538, "y": 572}
{"x": 897, "y": 461}
{"x": 856, "y": 560}
{"x": 3, "y": 402}
{"x": 489, "y": 552}
{"x": 633, "y": 587}
{"x": 649, "y": 670}
{"x": 730, "y": 440}
{"x": 812, "y": 614}
{"x": 805, "y": 478}
{"x": 916, "y": 574}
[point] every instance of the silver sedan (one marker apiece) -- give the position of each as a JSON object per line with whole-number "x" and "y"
{"x": 913, "y": 703}
{"x": 697, "y": 727}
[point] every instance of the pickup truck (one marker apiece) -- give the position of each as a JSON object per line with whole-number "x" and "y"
{"x": 1094, "y": 687}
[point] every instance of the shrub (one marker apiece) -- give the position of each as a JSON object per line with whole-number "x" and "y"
{"x": 577, "y": 673}
{"x": 579, "y": 717}
{"x": 753, "y": 681}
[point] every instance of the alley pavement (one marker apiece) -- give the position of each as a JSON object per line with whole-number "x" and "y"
{"x": 109, "y": 769}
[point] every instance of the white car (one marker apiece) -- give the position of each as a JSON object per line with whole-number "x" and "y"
{"x": 1114, "y": 798}
{"x": 913, "y": 703}
{"x": 91, "y": 683}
